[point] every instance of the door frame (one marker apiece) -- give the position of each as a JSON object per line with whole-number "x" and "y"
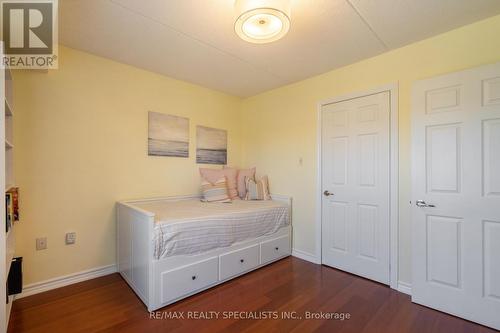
{"x": 393, "y": 90}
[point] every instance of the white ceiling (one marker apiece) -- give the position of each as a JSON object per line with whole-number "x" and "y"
{"x": 194, "y": 40}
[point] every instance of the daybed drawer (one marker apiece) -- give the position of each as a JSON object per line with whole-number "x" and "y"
{"x": 187, "y": 279}
{"x": 274, "y": 249}
{"x": 239, "y": 261}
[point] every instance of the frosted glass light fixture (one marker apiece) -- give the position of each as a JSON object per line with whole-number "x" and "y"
{"x": 262, "y": 21}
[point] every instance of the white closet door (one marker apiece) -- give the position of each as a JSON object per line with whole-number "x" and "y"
{"x": 456, "y": 184}
{"x": 355, "y": 178}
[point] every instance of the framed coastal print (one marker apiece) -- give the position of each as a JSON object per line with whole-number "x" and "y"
{"x": 168, "y": 135}
{"x": 211, "y": 145}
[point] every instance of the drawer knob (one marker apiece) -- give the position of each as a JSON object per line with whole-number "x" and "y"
{"x": 193, "y": 277}
{"x": 276, "y": 248}
{"x": 242, "y": 260}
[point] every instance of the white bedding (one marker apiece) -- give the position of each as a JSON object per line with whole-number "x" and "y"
{"x": 191, "y": 226}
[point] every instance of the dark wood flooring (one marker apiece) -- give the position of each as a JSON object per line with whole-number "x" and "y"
{"x": 107, "y": 304}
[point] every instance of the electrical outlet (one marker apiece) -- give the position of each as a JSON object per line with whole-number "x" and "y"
{"x": 41, "y": 243}
{"x": 70, "y": 238}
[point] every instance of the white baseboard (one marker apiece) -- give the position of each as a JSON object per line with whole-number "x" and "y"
{"x": 66, "y": 280}
{"x": 61, "y": 281}
{"x": 306, "y": 256}
{"x": 39, "y": 287}
{"x": 404, "y": 287}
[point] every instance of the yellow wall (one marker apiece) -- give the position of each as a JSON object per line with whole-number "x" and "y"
{"x": 280, "y": 125}
{"x": 80, "y": 141}
{"x": 81, "y": 145}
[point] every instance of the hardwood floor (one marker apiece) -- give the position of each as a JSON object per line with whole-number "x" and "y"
{"x": 107, "y": 304}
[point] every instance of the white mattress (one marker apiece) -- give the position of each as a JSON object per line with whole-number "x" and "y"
{"x": 191, "y": 226}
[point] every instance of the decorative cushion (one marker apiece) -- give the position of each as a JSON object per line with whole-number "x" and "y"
{"x": 242, "y": 174}
{"x": 212, "y": 175}
{"x": 257, "y": 190}
{"x": 216, "y": 192}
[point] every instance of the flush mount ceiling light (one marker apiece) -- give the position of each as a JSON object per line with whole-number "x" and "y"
{"x": 262, "y": 21}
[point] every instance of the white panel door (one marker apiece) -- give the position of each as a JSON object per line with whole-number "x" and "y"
{"x": 456, "y": 194}
{"x": 355, "y": 181}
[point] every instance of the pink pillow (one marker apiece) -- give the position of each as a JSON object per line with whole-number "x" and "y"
{"x": 242, "y": 173}
{"x": 213, "y": 175}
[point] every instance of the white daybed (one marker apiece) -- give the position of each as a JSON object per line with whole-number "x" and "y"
{"x": 171, "y": 248}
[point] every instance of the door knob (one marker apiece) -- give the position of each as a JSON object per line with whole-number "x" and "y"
{"x": 422, "y": 203}
{"x": 326, "y": 193}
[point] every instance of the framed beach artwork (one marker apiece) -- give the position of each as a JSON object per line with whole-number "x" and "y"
{"x": 168, "y": 135}
{"x": 211, "y": 145}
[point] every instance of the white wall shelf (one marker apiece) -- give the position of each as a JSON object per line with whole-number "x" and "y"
{"x": 7, "y": 239}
